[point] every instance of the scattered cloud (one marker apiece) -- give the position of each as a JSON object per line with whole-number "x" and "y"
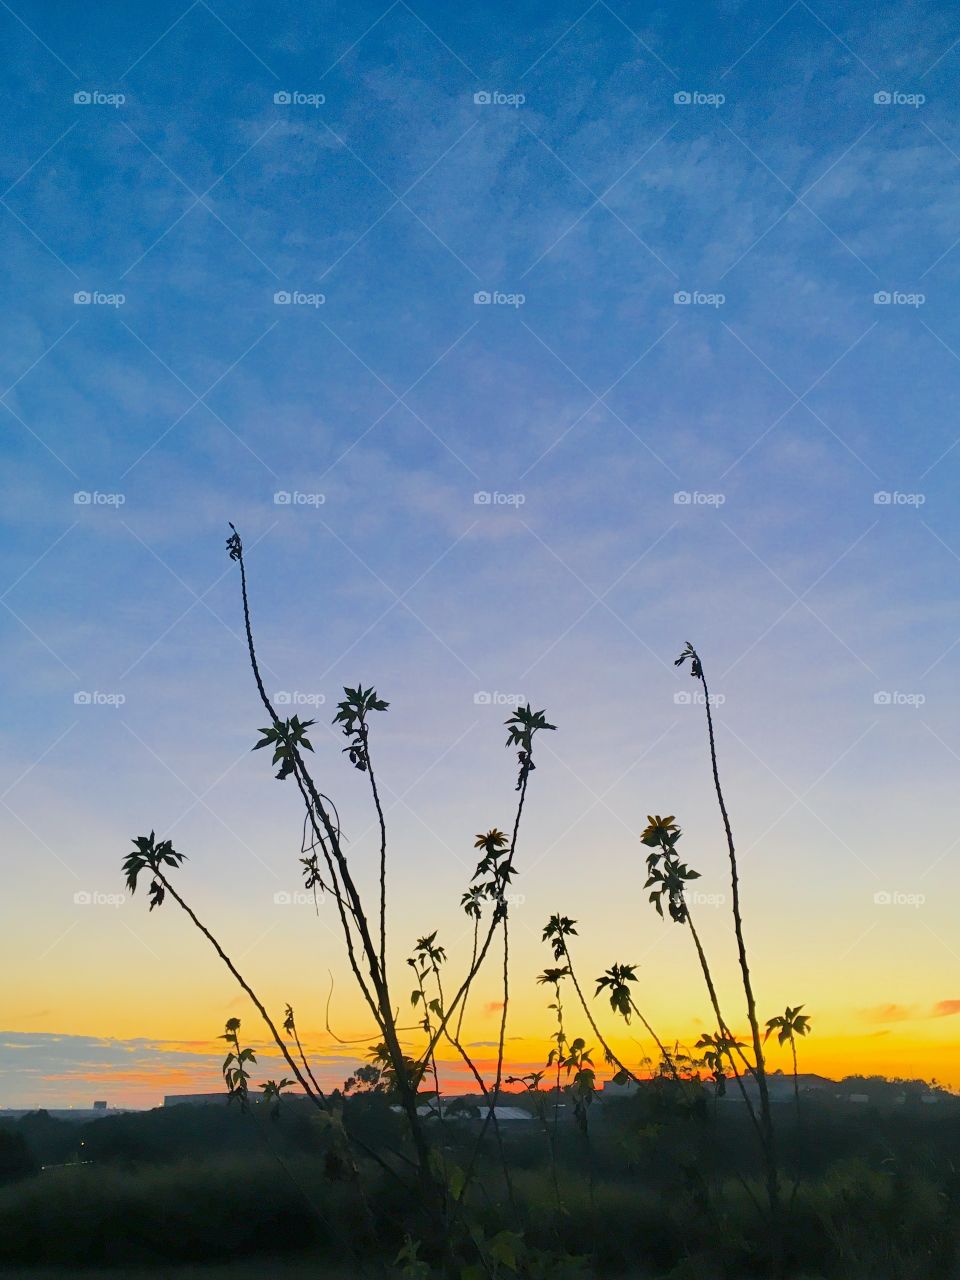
{"x": 890, "y": 1013}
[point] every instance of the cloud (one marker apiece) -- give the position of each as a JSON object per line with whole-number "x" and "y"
{"x": 945, "y": 1008}
{"x": 889, "y": 1013}
{"x": 67, "y": 1070}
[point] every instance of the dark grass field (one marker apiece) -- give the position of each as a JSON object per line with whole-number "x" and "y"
{"x": 653, "y": 1196}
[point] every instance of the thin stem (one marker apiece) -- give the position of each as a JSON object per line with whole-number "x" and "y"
{"x": 473, "y": 961}
{"x": 664, "y": 1053}
{"x": 494, "y": 922}
{"x": 611, "y": 1056}
{"x": 721, "y": 1023}
{"x": 407, "y": 1088}
{"x": 383, "y": 852}
{"x": 318, "y": 1100}
{"x": 760, "y": 1069}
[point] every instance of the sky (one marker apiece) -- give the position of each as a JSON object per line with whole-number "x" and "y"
{"x": 522, "y": 344}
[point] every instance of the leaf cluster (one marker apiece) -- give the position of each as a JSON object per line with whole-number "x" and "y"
{"x": 557, "y": 929}
{"x": 521, "y": 727}
{"x": 615, "y": 981}
{"x": 286, "y": 737}
{"x": 149, "y": 855}
{"x": 666, "y": 874}
{"x": 352, "y": 714}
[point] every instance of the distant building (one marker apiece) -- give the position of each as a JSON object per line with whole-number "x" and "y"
{"x": 780, "y": 1088}
{"x": 510, "y": 1114}
{"x": 204, "y": 1099}
{"x": 196, "y": 1099}
{"x": 477, "y": 1110}
{"x": 611, "y": 1090}
{"x": 217, "y": 1099}
{"x": 78, "y": 1114}
{"x": 859, "y": 1098}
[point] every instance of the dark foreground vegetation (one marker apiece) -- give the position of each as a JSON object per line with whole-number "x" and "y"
{"x": 665, "y": 1186}
{"x": 705, "y": 1171}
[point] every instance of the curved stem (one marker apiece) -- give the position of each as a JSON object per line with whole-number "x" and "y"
{"x": 664, "y": 1053}
{"x": 724, "y": 1029}
{"x": 473, "y": 961}
{"x": 481, "y": 957}
{"x": 318, "y": 1099}
{"x": 407, "y": 1088}
{"x": 766, "y": 1118}
{"x": 612, "y": 1057}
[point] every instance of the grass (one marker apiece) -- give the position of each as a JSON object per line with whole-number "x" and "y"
{"x": 879, "y": 1200}
{"x": 282, "y": 1269}
{"x": 196, "y": 1211}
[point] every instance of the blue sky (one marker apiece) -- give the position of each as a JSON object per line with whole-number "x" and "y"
{"x": 783, "y": 397}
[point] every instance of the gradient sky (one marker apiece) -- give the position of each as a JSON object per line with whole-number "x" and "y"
{"x": 828, "y": 621}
